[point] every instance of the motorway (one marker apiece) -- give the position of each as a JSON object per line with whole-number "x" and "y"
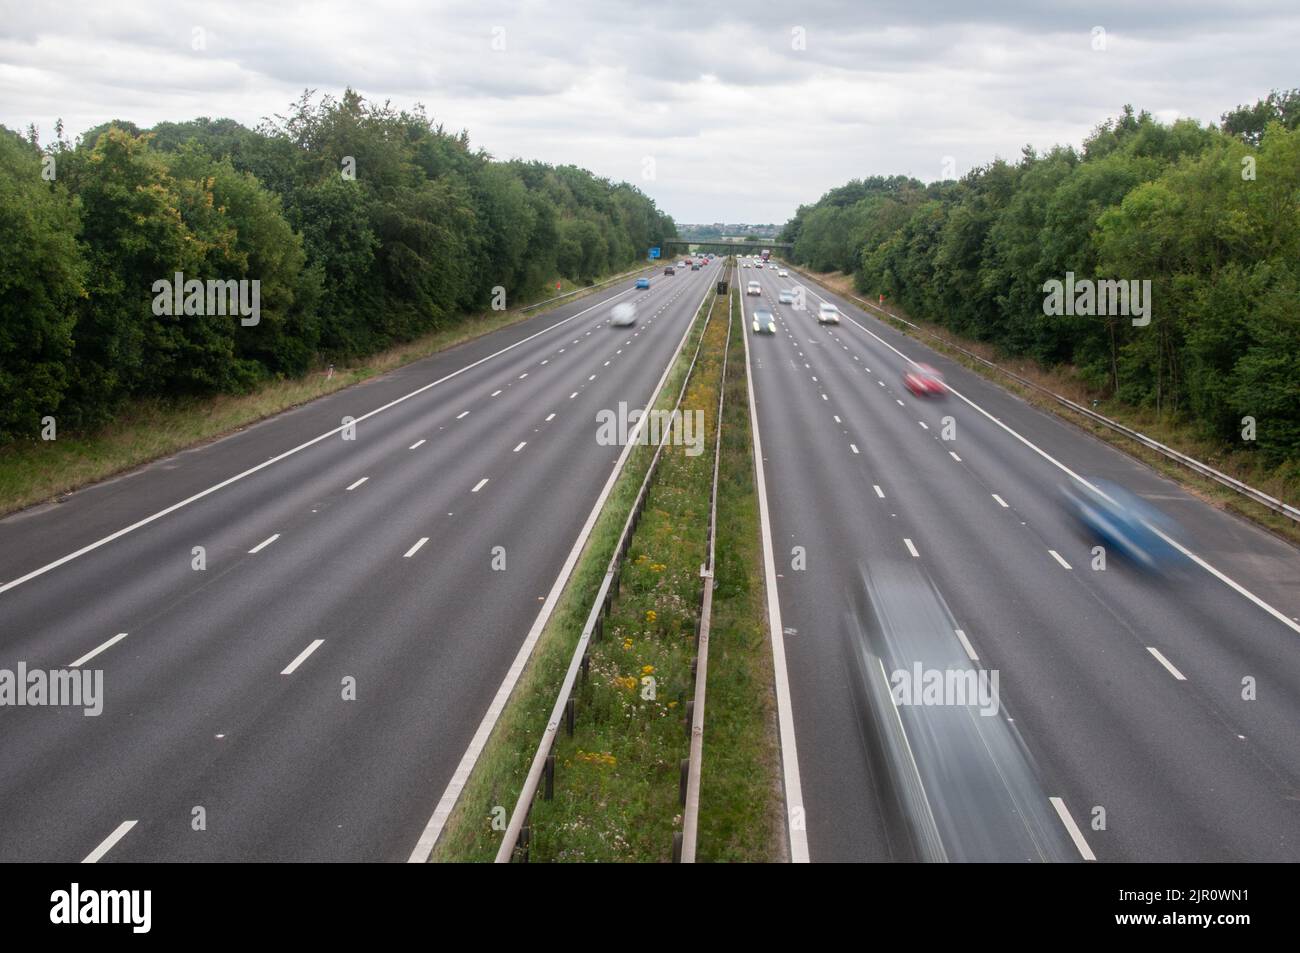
{"x": 1124, "y": 732}
{"x": 314, "y": 687}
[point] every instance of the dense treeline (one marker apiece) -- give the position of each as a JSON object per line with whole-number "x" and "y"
{"x": 1210, "y": 216}
{"x": 364, "y": 226}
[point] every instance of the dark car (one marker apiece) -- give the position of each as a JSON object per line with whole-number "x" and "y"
{"x": 670, "y": 270}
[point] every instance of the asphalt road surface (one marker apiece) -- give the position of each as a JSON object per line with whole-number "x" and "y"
{"x": 1122, "y": 732}
{"x": 362, "y": 564}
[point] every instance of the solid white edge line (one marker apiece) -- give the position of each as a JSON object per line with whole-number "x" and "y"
{"x": 965, "y": 643}
{"x": 90, "y": 547}
{"x": 1166, "y": 663}
{"x": 416, "y": 548}
{"x": 1072, "y": 828}
{"x": 446, "y": 803}
{"x": 95, "y": 651}
{"x": 264, "y": 543}
{"x": 302, "y": 656}
{"x": 108, "y": 842}
{"x": 785, "y": 717}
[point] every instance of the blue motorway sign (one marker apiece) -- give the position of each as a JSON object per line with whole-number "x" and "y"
{"x": 654, "y": 253}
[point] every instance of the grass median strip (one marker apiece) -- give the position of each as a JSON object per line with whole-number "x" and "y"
{"x": 741, "y": 813}
{"x": 617, "y": 784}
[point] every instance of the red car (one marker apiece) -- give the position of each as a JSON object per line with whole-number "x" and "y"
{"x": 924, "y": 381}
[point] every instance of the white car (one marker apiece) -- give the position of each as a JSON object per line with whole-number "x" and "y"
{"x": 785, "y": 296}
{"x": 623, "y": 315}
{"x": 744, "y": 264}
{"x": 753, "y": 288}
{"x": 827, "y": 313}
{"x": 782, "y": 273}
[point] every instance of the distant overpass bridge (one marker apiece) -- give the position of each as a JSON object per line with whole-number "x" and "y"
{"x": 727, "y": 246}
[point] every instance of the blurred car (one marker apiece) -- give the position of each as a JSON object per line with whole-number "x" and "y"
{"x": 643, "y": 282}
{"x": 764, "y": 322}
{"x": 623, "y": 315}
{"x": 785, "y": 296}
{"x": 1124, "y": 522}
{"x": 695, "y": 267}
{"x": 744, "y": 264}
{"x": 753, "y": 288}
{"x": 670, "y": 270}
{"x": 782, "y": 273}
{"x": 827, "y": 313}
{"x": 924, "y": 381}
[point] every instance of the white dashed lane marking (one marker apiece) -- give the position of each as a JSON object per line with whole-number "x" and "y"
{"x": 95, "y": 651}
{"x": 302, "y": 656}
{"x": 263, "y": 544}
{"x": 1167, "y": 664}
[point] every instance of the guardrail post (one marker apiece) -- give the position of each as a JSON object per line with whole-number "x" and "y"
{"x": 684, "y": 770}
{"x": 586, "y": 665}
{"x": 570, "y": 709}
{"x": 690, "y": 717}
{"x": 550, "y": 778}
{"x": 677, "y": 847}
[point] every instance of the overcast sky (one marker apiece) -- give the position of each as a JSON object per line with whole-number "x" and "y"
{"x": 719, "y": 111}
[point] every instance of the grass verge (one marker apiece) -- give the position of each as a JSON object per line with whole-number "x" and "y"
{"x": 499, "y": 774}
{"x": 38, "y": 471}
{"x": 1282, "y": 483}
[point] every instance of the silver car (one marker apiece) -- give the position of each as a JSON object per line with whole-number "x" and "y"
{"x": 827, "y": 313}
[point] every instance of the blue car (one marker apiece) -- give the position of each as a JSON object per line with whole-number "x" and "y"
{"x": 1126, "y": 523}
{"x": 643, "y": 282}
